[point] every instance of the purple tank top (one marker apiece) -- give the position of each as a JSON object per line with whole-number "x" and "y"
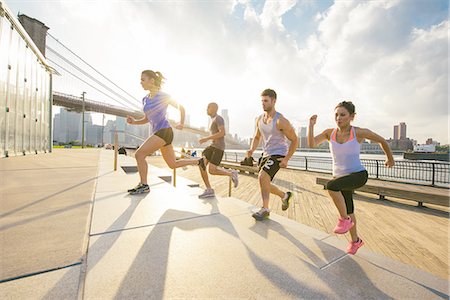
{"x": 155, "y": 110}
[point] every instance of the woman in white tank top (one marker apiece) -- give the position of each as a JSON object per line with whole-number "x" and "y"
{"x": 348, "y": 172}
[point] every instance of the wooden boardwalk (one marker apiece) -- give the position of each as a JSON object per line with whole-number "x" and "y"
{"x": 395, "y": 228}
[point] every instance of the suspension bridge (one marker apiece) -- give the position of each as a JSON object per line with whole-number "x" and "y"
{"x": 75, "y": 76}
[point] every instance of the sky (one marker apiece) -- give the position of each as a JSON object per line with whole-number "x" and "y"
{"x": 390, "y": 58}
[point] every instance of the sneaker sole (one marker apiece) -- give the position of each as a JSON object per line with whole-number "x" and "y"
{"x": 139, "y": 192}
{"x": 210, "y": 196}
{"x": 342, "y": 232}
{"x": 285, "y": 207}
{"x": 260, "y": 218}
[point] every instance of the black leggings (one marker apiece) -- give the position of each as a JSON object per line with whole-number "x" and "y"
{"x": 346, "y": 185}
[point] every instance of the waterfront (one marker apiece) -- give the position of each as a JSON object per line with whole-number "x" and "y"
{"x": 433, "y": 173}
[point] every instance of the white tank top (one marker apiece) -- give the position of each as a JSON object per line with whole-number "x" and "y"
{"x": 274, "y": 141}
{"x": 346, "y": 155}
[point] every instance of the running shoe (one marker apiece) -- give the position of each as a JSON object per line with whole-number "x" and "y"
{"x": 234, "y": 178}
{"x": 133, "y": 189}
{"x": 354, "y": 246}
{"x": 208, "y": 193}
{"x": 286, "y": 201}
{"x": 343, "y": 225}
{"x": 262, "y": 214}
{"x": 141, "y": 189}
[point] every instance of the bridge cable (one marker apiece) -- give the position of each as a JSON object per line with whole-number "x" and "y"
{"x": 90, "y": 76}
{"x": 109, "y": 96}
{"x": 90, "y": 65}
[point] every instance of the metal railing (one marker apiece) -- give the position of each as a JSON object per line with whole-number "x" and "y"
{"x": 417, "y": 172}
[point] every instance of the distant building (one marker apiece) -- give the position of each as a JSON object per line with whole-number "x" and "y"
{"x": 396, "y": 135}
{"x": 303, "y": 142}
{"x": 226, "y": 120}
{"x": 67, "y": 126}
{"x": 402, "y": 130}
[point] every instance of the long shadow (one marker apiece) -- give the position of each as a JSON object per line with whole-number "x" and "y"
{"x": 52, "y": 195}
{"x": 62, "y": 210}
{"x": 100, "y": 247}
{"x": 46, "y": 215}
{"x": 57, "y": 168}
{"x": 333, "y": 283}
{"x": 404, "y": 206}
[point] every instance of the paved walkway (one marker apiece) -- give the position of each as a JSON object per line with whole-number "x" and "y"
{"x": 413, "y": 235}
{"x": 169, "y": 244}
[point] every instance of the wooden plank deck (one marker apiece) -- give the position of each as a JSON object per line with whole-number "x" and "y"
{"x": 395, "y": 228}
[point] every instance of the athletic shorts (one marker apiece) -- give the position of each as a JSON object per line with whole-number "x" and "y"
{"x": 166, "y": 134}
{"x": 346, "y": 185}
{"x": 213, "y": 155}
{"x": 270, "y": 164}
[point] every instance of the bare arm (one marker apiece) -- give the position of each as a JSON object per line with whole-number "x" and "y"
{"x": 314, "y": 141}
{"x": 287, "y": 129}
{"x": 131, "y": 120}
{"x": 255, "y": 141}
{"x": 214, "y": 136}
{"x": 180, "y": 107}
{"x": 364, "y": 133}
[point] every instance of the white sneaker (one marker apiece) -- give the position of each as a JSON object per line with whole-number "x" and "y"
{"x": 234, "y": 178}
{"x": 208, "y": 193}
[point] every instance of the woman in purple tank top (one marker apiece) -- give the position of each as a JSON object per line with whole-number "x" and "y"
{"x": 348, "y": 172}
{"x": 155, "y": 106}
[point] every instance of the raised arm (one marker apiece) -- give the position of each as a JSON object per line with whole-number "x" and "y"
{"x": 180, "y": 107}
{"x": 314, "y": 141}
{"x": 256, "y": 138}
{"x": 363, "y": 133}
{"x": 287, "y": 129}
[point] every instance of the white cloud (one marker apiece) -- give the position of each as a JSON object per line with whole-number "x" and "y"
{"x": 229, "y": 52}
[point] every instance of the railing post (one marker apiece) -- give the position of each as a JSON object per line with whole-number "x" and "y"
{"x": 174, "y": 181}
{"x": 434, "y": 172}
{"x": 235, "y": 155}
{"x": 377, "y": 168}
{"x": 116, "y": 149}
{"x": 306, "y": 163}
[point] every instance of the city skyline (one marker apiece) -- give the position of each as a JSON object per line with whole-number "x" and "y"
{"x": 388, "y": 57}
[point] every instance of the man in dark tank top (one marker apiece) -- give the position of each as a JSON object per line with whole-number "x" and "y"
{"x": 213, "y": 154}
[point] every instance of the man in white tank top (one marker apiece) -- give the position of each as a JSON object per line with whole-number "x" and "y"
{"x": 275, "y": 131}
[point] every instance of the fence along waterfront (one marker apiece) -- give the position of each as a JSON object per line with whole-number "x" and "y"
{"x": 417, "y": 172}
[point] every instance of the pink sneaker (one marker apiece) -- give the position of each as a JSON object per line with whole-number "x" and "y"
{"x": 354, "y": 246}
{"x": 343, "y": 225}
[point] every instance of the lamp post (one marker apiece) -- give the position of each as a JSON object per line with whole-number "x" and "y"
{"x": 82, "y": 122}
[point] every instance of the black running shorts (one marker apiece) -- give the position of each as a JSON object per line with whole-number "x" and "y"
{"x": 166, "y": 134}
{"x": 213, "y": 155}
{"x": 270, "y": 164}
{"x": 346, "y": 185}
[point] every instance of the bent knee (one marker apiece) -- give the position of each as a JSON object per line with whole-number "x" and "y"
{"x": 212, "y": 169}
{"x": 172, "y": 165}
{"x": 139, "y": 155}
{"x": 332, "y": 186}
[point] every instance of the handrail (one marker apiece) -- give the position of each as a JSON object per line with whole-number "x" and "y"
{"x": 431, "y": 173}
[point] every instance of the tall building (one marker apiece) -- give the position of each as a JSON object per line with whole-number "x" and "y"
{"x": 395, "y": 133}
{"x": 67, "y": 126}
{"x": 302, "y": 132}
{"x": 226, "y": 120}
{"x": 402, "y": 130}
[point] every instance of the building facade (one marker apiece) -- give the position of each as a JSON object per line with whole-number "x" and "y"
{"x": 25, "y": 91}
